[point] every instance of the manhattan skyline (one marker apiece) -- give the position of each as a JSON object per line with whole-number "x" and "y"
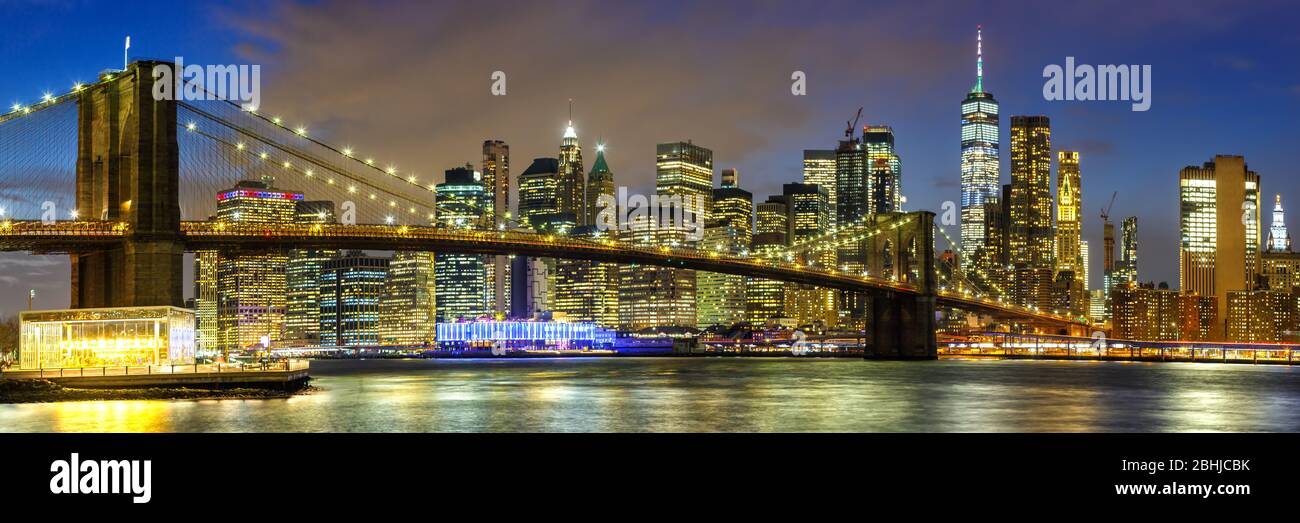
{"x": 332, "y": 67}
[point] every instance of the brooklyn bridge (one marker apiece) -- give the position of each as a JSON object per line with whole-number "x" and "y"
{"x": 142, "y": 167}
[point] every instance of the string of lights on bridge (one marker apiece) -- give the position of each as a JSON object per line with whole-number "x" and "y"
{"x": 817, "y": 243}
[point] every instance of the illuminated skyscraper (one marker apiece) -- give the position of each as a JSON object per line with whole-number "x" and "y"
{"x": 1071, "y": 290}
{"x": 1278, "y": 239}
{"x": 720, "y": 298}
{"x": 409, "y": 302}
{"x": 980, "y": 170}
{"x": 1086, "y": 256}
{"x": 302, "y": 277}
{"x": 764, "y": 298}
{"x": 682, "y": 170}
{"x": 1069, "y": 228}
{"x": 1030, "y": 235}
{"x": 819, "y": 169}
{"x": 571, "y": 189}
{"x": 350, "y": 290}
{"x": 251, "y": 288}
{"x": 733, "y": 206}
{"x": 885, "y": 188}
{"x": 1031, "y": 196}
{"x": 809, "y": 210}
{"x": 496, "y": 178}
{"x": 537, "y": 191}
{"x": 600, "y": 182}
{"x": 1126, "y": 267}
{"x": 205, "y": 301}
{"x": 651, "y": 297}
{"x": 587, "y": 291}
{"x": 685, "y": 169}
{"x": 460, "y": 278}
{"x": 1219, "y": 221}
{"x": 852, "y": 192}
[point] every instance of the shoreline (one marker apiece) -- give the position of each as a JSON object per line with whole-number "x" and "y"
{"x": 45, "y": 391}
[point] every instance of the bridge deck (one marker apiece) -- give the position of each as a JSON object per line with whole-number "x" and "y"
{"x": 74, "y": 236}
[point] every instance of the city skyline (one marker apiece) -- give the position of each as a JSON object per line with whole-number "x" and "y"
{"x": 924, "y": 121}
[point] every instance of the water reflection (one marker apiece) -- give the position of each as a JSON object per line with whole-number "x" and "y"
{"x": 621, "y": 394}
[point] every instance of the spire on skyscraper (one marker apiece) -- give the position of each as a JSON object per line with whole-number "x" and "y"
{"x": 1279, "y": 240}
{"x": 569, "y": 132}
{"x": 979, "y": 59}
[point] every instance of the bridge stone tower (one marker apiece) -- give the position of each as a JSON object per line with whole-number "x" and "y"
{"x": 128, "y": 171}
{"x": 903, "y": 324}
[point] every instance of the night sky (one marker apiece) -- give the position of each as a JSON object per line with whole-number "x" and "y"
{"x": 408, "y": 83}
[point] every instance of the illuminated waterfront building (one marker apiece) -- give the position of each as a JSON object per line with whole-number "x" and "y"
{"x": 1030, "y": 237}
{"x": 546, "y": 335}
{"x": 537, "y": 190}
{"x": 302, "y": 277}
{"x": 110, "y": 337}
{"x": 980, "y": 169}
{"x": 1279, "y": 240}
{"x": 1261, "y": 316}
{"x": 409, "y": 303}
{"x": 587, "y": 291}
{"x": 351, "y": 287}
{"x": 570, "y": 187}
{"x": 1144, "y": 312}
{"x": 819, "y": 169}
{"x": 764, "y": 298}
{"x": 251, "y": 288}
{"x": 720, "y": 298}
{"x": 460, "y": 277}
{"x": 496, "y": 178}
{"x": 1219, "y": 242}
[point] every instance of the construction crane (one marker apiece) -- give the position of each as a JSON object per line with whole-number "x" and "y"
{"x": 848, "y": 133}
{"x": 1105, "y": 213}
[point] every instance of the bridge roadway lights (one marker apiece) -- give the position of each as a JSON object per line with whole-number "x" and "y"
{"x": 903, "y": 328}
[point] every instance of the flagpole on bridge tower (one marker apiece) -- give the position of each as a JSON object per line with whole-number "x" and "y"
{"x": 126, "y": 52}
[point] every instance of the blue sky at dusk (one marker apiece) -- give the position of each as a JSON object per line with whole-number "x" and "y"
{"x": 408, "y": 82}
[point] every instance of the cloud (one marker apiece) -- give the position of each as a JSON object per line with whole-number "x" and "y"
{"x": 417, "y": 94}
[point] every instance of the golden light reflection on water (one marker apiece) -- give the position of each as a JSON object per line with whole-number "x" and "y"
{"x": 113, "y": 416}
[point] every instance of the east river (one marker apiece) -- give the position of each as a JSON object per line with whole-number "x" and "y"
{"x": 721, "y": 394}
